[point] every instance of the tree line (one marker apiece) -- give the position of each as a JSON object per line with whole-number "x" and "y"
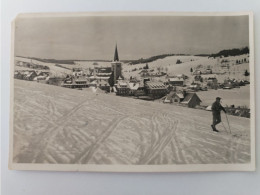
{"x": 153, "y": 58}
{"x": 231, "y": 52}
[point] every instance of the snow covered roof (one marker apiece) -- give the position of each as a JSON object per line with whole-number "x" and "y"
{"x": 120, "y": 78}
{"x": 104, "y": 70}
{"x": 188, "y": 98}
{"x": 143, "y": 71}
{"x": 181, "y": 75}
{"x": 29, "y": 74}
{"x": 122, "y": 84}
{"x": 172, "y": 94}
{"x": 155, "y": 85}
{"x": 194, "y": 85}
{"x": 104, "y": 74}
{"x": 81, "y": 79}
{"x": 97, "y": 77}
{"x": 180, "y": 95}
{"x": 133, "y": 86}
{"x": 103, "y": 83}
{"x": 175, "y": 79}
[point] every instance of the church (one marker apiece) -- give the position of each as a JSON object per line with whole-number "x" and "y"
{"x": 109, "y": 74}
{"x": 116, "y": 67}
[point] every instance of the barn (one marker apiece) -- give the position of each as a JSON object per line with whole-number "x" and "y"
{"x": 191, "y": 100}
{"x": 174, "y": 97}
{"x": 177, "y": 81}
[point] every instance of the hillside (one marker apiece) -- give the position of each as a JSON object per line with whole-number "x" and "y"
{"x": 169, "y": 66}
{"x": 58, "y": 125}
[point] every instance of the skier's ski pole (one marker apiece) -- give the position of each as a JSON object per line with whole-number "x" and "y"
{"x": 224, "y": 127}
{"x": 228, "y": 123}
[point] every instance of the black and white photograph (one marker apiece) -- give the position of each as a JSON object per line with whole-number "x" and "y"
{"x": 133, "y": 92}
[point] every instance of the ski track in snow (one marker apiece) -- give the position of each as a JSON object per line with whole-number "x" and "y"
{"x": 58, "y": 125}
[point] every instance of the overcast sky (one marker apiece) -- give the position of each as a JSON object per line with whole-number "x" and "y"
{"x": 136, "y": 36}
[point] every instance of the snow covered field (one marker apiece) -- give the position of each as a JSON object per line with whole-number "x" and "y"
{"x": 237, "y": 96}
{"x": 58, "y": 125}
{"x": 54, "y": 70}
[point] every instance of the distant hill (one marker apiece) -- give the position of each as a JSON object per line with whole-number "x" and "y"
{"x": 225, "y": 53}
{"x": 153, "y": 58}
{"x": 50, "y": 60}
{"x": 231, "y": 52}
{"x": 54, "y": 61}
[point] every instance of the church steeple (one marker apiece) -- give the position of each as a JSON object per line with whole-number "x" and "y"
{"x": 116, "y": 58}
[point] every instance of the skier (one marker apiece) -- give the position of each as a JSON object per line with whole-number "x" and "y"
{"x": 216, "y": 108}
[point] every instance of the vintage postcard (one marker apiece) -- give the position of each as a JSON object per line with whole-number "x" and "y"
{"x": 132, "y": 92}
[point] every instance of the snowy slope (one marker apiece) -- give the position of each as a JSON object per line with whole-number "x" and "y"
{"x": 236, "y": 70}
{"x": 59, "y": 125}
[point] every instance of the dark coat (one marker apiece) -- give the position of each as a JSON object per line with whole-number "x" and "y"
{"x": 216, "y": 108}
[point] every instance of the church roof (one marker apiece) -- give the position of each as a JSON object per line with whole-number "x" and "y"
{"x": 116, "y": 58}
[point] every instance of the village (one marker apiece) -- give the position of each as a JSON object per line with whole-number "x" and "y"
{"x": 115, "y": 91}
{"x": 145, "y": 83}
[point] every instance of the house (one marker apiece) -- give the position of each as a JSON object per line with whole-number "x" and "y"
{"x": 158, "y": 74}
{"x": 93, "y": 83}
{"x": 100, "y": 73}
{"x": 18, "y": 75}
{"x": 191, "y": 100}
{"x": 43, "y": 73}
{"x": 195, "y": 86}
{"x": 197, "y": 72}
{"x": 133, "y": 80}
{"x": 30, "y": 76}
{"x": 212, "y": 83}
{"x": 39, "y": 78}
{"x": 122, "y": 88}
{"x": 104, "y": 85}
{"x": 208, "y": 71}
{"x": 198, "y": 78}
{"x": 75, "y": 82}
{"x": 182, "y": 76}
{"x": 140, "y": 92}
{"x": 144, "y": 73}
{"x": 80, "y": 82}
{"x": 133, "y": 87}
{"x": 176, "y": 81}
{"x": 155, "y": 89}
{"x": 173, "y": 96}
{"x": 55, "y": 80}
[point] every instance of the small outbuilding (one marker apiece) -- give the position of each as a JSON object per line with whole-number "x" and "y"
{"x": 191, "y": 100}
{"x": 174, "y": 97}
{"x": 176, "y": 81}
